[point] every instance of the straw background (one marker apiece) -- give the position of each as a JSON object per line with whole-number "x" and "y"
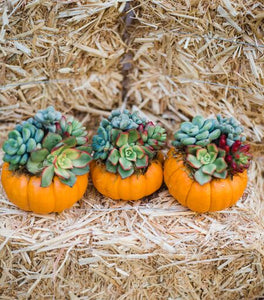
{"x": 171, "y": 60}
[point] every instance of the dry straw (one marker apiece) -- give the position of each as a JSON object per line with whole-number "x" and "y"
{"x": 172, "y": 60}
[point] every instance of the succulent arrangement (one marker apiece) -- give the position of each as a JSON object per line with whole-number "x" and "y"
{"x": 126, "y": 143}
{"x": 213, "y": 148}
{"x": 49, "y": 144}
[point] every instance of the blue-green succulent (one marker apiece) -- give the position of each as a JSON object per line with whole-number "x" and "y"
{"x": 46, "y": 119}
{"x": 204, "y": 131}
{"x": 20, "y": 143}
{"x": 231, "y": 128}
{"x": 198, "y": 132}
{"x": 125, "y": 120}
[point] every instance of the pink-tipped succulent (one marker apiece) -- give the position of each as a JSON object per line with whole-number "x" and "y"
{"x": 207, "y": 162}
{"x": 127, "y": 156}
{"x": 69, "y": 126}
{"x": 59, "y": 157}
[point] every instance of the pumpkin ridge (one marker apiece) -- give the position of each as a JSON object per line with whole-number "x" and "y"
{"x": 211, "y": 203}
{"x": 173, "y": 173}
{"x": 28, "y": 195}
{"x": 231, "y": 201}
{"x": 187, "y": 196}
{"x": 54, "y": 196}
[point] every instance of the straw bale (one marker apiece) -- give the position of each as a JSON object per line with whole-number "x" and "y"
{"x": 192, "y": 57}
{"x": 171, "y": 60}
{"x": 64, "y": 53}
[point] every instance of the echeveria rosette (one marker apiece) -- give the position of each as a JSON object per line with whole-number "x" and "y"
{"x": 207, "y": 162}
{"x": 125, "y": 120}
{"x": 127, "y": 156}
{"x": 101, "y": 143}
{"x": 69, "y": 126}
{"x": 46, "y": 119}
{"x": 231, "y": 128}
{"x": 198, "y": 132}
{"x": 59, "y": 157}
{"x": 20, "y": 143}
{"x": 153, "y": 136}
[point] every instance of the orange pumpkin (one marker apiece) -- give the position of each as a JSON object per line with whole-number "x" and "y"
{"x": 133, "y": 187}
{"x": 25, "y": 192}
{"x": 212, "y": 196}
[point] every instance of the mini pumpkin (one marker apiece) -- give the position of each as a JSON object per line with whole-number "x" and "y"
{"x": 207, "y": 170}
{"x": 46, "y": 163}
{"x": 127, "y": 164}
{"x": 26, "y": 192}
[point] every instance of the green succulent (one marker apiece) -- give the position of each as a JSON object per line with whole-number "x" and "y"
{"x": 207, "y": 162}
{"x": 59, "y": 157}
{"x": 153, "y": 136}
{"x": 21, "y": 142}
{"x": 69, "y": 126}
{"x": 46, "y": 119}
{"x": 231, "y": 128}
{"x": 127, "y": 156}
{"x": 198, "y": 132}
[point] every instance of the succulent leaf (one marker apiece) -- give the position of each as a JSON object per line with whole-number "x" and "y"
{"x": 124, "y": 173}
{"x": 125, "y": 164}
{"x": 110, "y": 167}
{"x": 221, "y": 175}
{"x": 201, "y": 177}
{"x": 209, "y": 169}
{"x": 142, "y": 163}
{"x": 51, "y": 140}
{"x": 47, "y": 176}
{"x": 188, "y": 141}
{"x": 193, "y": 161}
{"x": 198, "y": 120}
{"x": 80, "y": 171}
{"x": 133, "y": 136}
{"x": 39, "y": 155}
{"x": 122, "y": 139}
{"x": 71, "y": 180}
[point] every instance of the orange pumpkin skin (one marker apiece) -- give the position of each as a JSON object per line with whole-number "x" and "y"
{"x": 25, "y": 192}
{"x": 131, "y": 188}
{"x": 215, "y": 195}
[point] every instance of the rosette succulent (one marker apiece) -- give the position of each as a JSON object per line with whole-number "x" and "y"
{"x": 125, "y": 120}
{"x": 46, "y": 119}
{"x": 198, "y": 132}
{"x": 127, "y": 155}
{"x": 126, "y": 142}
{"x": 59, "y": 157}
{"x": 207, "y": 162}
{"x": 153, "y": 136}
{"x": 20, "y": 143}
{"x": 231, "y": 128}
{"x": 69, "y": 126}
